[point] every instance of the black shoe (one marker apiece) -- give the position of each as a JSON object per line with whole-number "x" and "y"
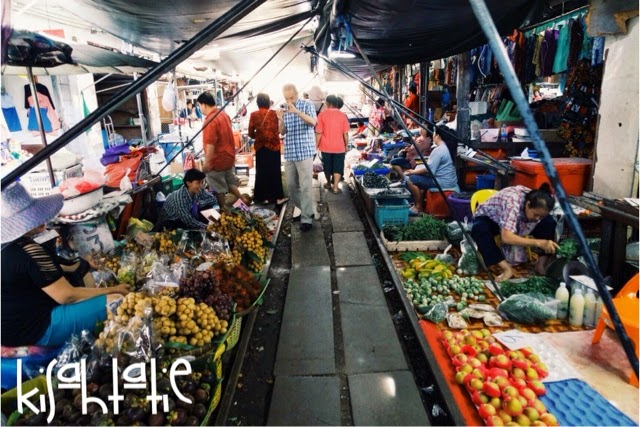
{"x": 297, "y": 218}
{"x": 305, "y": 227}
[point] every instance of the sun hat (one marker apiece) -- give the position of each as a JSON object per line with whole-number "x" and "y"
{"x": 22, "y": 213}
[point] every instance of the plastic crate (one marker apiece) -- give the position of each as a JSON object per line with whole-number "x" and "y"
{"x": 573, "y": 174}
{"x": 391, "y": 212}
{"x": 381, "y": 171}
{"x": 171, "y": 183}
{"x": 38, "y": 184}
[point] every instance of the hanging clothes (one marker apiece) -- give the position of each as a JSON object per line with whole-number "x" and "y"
{"x": 530, "y": 66}
{"x": 33, "y": 120}
{"x": 536, "y": 55}
{"x": 579, "y": 119}
{"x": 562, "y": 52}
{"x": 597, "y": 54}
{"x": 49, "y": 116}
{"x": 587, "y": 42}
{"x": 10, "y": 114}
{"x": 548, "y": 52}
{"x": 520, "y": 55}
{"x": 40, "y": 88}
{"x": 575, "y": 43}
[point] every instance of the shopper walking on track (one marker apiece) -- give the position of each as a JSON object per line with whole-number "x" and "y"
{"x": 219, "y": 150}
{"x": 263, "y": 128}
{"x": 296, "y": 120}
{"x": 332, "y": 137}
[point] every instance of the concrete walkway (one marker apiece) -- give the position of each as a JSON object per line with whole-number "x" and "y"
{"x": 339, "y": 360}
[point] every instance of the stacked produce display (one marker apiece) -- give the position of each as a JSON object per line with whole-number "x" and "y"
{"x": 504, "y": 385}
{"x": 189, "y": 289}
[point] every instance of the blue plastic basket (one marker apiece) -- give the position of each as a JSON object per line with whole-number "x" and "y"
{"x": 485, "y": 181}
{"x": 381, "y": 171}
{"x": 391, "y": 212}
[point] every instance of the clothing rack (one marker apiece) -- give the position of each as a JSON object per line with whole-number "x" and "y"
{"x": 538, "y": 26}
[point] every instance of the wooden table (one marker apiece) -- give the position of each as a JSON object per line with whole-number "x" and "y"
{"x": 617, "y": 216}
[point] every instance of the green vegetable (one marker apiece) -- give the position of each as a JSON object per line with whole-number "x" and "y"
{"x": 526, "y": 309}
{"x": 408, "y": 256}
{"x": 426, "y": 228}
{"x": 543, "y": 285}
{"x": 568, "y": 249}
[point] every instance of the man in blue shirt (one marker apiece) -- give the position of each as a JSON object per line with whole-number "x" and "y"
{"x": 182, "y": 207}
{"x": 443, "y": 168}
{"x": 296, "y": 121}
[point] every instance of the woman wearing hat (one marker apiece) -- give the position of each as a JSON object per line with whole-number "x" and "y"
{"x": 39, "y": 305}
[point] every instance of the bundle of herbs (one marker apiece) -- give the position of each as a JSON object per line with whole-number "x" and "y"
{"x": 426, "y": 228}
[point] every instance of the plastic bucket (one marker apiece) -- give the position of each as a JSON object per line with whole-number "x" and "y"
{"x": 485, "y": 181}
{"x": 461, "y": 206}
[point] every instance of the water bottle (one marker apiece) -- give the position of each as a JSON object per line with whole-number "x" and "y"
{"x": 430, "y": 118}
{"x": 504, "y": 136}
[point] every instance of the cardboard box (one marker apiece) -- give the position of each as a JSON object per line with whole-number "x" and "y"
{"x": 176, "y": 168}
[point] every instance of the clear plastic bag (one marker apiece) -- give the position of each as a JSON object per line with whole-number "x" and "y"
{"x": 454, "y": 232}
{"x": 527, "y": 308}
{"x": 78, "y": 347}
{"x": 445, "y": 257}
{"x": 105, "y": 278}
{"x": 437, "y": 312}
{"x": 468, "y": 263}
{"x": 137, "y": 339}
{"x": 127, "y": 271}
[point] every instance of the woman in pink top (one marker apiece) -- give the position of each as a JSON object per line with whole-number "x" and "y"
{"x": 332, "y": 137}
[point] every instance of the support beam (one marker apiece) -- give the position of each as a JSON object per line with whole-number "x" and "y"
{"x": 217, "y": 27}
{"x": 463, "y": 85}
{"x": 424, "y": 88}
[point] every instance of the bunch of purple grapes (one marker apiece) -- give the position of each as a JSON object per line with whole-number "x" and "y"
{"x": 197, "y": 286}
{"x": 221, "y": 303}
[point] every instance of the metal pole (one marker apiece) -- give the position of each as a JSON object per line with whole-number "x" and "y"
{"x": 424, "y": 78}
{"x": 500, "y": 53}
{"x": 217, "y": 27}
{"x": 43, "y": 136}
{"x": 140, "y": 114}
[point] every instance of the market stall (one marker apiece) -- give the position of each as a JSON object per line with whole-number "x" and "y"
{"x": 192, "y": 290}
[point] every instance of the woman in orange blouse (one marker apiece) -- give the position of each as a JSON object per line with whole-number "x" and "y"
{"x": 263, "y": 128}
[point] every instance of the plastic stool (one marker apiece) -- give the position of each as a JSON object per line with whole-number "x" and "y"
{"x": 435, "y": 204}
{"x": 243, "y": 168}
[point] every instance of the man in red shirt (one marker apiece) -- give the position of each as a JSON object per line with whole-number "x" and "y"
{"x": 332, "y": 138}
{"x": 219, "y": 150}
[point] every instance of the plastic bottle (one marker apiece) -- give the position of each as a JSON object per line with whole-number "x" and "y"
{"x": 504, "y": 136}
{"x": 589, "y": 315}
{"x": 562, "y": 295}
{"x": 599, "y": 307}
{"x": 576, "y": 308}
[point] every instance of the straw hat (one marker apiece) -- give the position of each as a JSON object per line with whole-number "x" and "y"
{"x": 22, "y": 213}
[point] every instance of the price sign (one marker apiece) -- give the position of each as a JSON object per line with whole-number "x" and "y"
{"x": 514, "y": 339}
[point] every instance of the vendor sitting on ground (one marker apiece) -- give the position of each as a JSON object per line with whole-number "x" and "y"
{"x": 407, "y": 157}
{"x": 182, "y": 207}
{"x": 441, "y": 164}
{"x": 514, "y": 213}
{"x": 39, "y": 306}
